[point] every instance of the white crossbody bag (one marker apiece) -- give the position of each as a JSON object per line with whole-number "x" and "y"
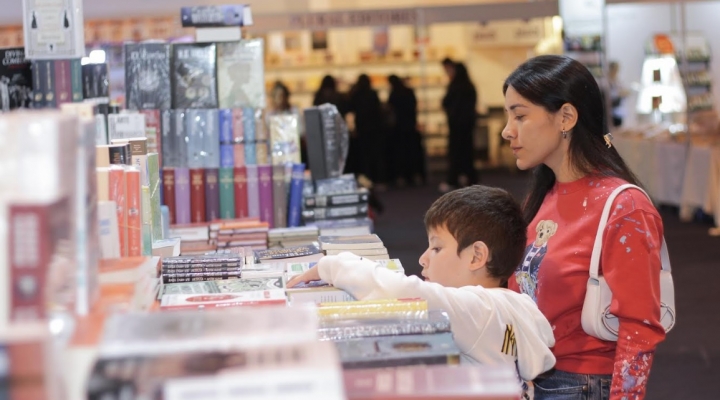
{"x": 597, "y": 321}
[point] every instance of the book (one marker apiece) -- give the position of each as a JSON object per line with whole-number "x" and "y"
{"x": 242, "y": 209}
{"x": 215, "y": 300}
{"x": 153, "y": 132}
{"x": 227, "y": 193}
{"x": 63, "y": 81}
{"x": 284, "y": 139}
{"x": 317, "y": 295}
{"x": 134, "y": 212}
{"x": 43, "y": 84}
{"x": 147, "y": 220}
{"x": 117, "y": 194}
{"x": 203, "y": 260}
{"x": 16, "y": 79}
{"x": 76, "y": 80}
{"x": 262, "y": 154}
{"x": 359, "y": 242}
{"x": 385, "y": 308}
{"x": 108, "y": 229}
{"x": 249, "y": 128}
{"x": 216, "y": 16}
{"x": 297, "y": 254}
{"x": 239, "y": 155}
{"x": 396, "y": 351}
{"x": 296, "y": 195}
{"x": 327, "y": 141}
{"x": 147, "y": 76}
{"x": 197, "y": 195}
{"x": 155, "y": 187}
{"x": 174, "y": 148}
{"x": 212, "y": 194}
{"x": 226, "y": 125}
{"x": 353, "y": 328}
{"x": 265, "y": 183}
{"x": 38, "y": 91}
{"x": 168, "y": 179}
{"x": 250, "y": 155}
{"x": 253, "y": 191}
{"x": 359, "y": 196}
{"x": 200, "y": 276}
{"x": 336, "y": 212}
{"x": 280, "y": 197}
{"x": 96, "y": 83}
{"x": 126, "y": 125}
{"x": 194, "y": 76}
{"x": 241, "y": 74}
{"x": 183, "y": 214}
{"x": 53, "y": 30}
{"x": 238, "y": 127}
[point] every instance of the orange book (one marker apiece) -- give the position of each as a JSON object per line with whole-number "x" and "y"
{"x": 134, "y": 212}
{"x": 117, "y": 194}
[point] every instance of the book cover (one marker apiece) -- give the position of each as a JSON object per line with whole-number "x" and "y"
{"x": 227, "y": 155}
{"x": 37, "y": 234}
{"x": 280, "y": 196}
{"x": 153, "y": 132}
{"x": 212, "y": 194}
{"x": 109, "y": 230}
{"x": 225, "y": 123}
{"x": 265, "y": 182}
{"x": 155, "y": 186}
{"x": 397, "y": 351}
{"x": 285, "y": 138}
{"x": 200, "y": 277}
{"x": 360, "y": 196}
{"x": 250, "y": 155}
{"x": 262, "y": 155}
{"x": 197, "y": 195}
{"x": 241, "y": 74}
{"x": 182, "y": 196}
{"x": 249, "y": 125}
{"x": 63, "y": 81}
{"x": 239, "y": 155}
{"x": 296, "y": 195}
{"x": 53, "y": 29}
{"x": 48, "y": 85}
{"x": 38, "y": 89}
{"x": 134, "y": 212}
{"x": 196, "y": 130}
{"x": 253, "y": 190}
{"x": 241, "y": 192}
{"x": 96, "y": 83}
{"x": 168, "y": 179}
{"x": 238, "y": 127}
{"x": 290, "y": 252}
{"x": 227, "y": 193}
{"x": 147, "y": 76}
{"x": 174, "y": 147}
{"x": 16, "y": 79}
{"x": 215, "y": 300}
{"x": 147, "y": 238}
{"x": 215, "y": 16}
{"x": 117, "y": 193}
{"x": 76, "y": 81}
{"x": 194, "y": 76}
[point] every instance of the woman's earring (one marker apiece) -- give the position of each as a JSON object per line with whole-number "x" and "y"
{"x": 564, "y": 133}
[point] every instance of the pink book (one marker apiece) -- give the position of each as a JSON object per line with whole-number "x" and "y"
{"x": 265, "y": 180}
{"x": 217, "y": 300}
{"x": 134, "y": 214}
{"x": 118, "y": 195}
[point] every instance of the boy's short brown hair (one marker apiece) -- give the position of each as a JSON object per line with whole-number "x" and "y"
{"x": 482, "y": 213}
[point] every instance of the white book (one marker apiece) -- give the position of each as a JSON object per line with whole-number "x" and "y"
{"x": 359, "y": 252}
{"x": 317, "y": 295}
{"x": 109, "y": 230}
{"x": 371, "y": 241}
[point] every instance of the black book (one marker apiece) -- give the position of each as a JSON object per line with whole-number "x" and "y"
{"x": 147, "y": 76}
{"x": 16, "y": 88}
{"x": 194, "y": 77}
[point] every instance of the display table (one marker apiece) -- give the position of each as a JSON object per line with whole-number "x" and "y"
{"x": 685, "y": 175}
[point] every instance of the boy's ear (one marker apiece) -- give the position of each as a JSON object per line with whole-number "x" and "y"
{"x": 481, "y": 255}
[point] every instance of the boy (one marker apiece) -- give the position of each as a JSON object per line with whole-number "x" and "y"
{"x": 477, "y": 238}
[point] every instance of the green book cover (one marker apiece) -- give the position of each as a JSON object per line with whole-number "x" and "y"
{"x": 227, "y": 194}
{"x": 154, "y": 174}
{"x": 76, "y": 80}
{"x": 146, "y": 220}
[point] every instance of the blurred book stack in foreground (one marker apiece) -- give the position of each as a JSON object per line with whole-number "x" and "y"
{"x": 279, "y": 238}
{"x": 366, "y": 246}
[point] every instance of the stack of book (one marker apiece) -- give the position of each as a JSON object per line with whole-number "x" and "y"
{"x": 246, "y": 232}
{"x": 336, "y": 199}
{"x": 367, "y": 246}
{"x": 194, "y": 238}
{"x": 201, "y": 268}
{"x": 291, "y": 237}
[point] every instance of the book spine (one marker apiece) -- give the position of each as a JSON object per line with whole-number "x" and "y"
{"x": 49, "y": 85}
{"x": 146, "y": 220}
{"x": 153, "y": 132}
{"x": 201, "y": 270}
{"x": 249, "y": 129}
{"x": 225, "y": 122}
{"x": 108, "y": 230}
{"x": 250, "y": 154}
{"x": 37, "y": 98}
{"x": 227, "y": 194}
{"x": 76, "y": 80}
{"x": 168, "y": 179}
{"x": 134, "y": 212}
{"x": 63, "y": 81}
{"x": 296, "y": 195}
{"x": 155, "y": 190}
{"x": 117, "y": 194}
{"x": 241, "y": 192}
{"x": 197, "y": 195}
{"x": 280, "y": 197}
{"x": 253, "y": 189}
{"x": 335, "y": 199}
{"x": 182, "y": 196}
{"x": 227, "y": 155}
{"x": 212, "y": 194}
{"x": 237, "y": 125}
{"x": 265, "y": 180}
{"x": 239, "y": 155}
{"x": 199, "y": 278}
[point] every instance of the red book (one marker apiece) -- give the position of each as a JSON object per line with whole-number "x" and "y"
{"x": 168, "y": 180}
{"x": 153, "y": 132}
{"x": 63, "y": 81}
{"x": 118, "y": 195}
{"x": 37, "y": 235}
{"x": 197, "y": 195}
{"x": 241, "y": 195}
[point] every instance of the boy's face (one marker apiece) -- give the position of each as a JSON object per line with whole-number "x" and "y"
{"x": 441, "y": 262}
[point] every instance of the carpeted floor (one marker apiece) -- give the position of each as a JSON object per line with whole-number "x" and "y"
{"x": 687, "y": 364}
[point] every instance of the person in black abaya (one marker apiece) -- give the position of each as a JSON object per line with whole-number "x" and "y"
{"x": 369, "y": 129}
{"x": 329, "y": 94}
{"x": 406, "y": 156}
{"x": 460, "y": 108}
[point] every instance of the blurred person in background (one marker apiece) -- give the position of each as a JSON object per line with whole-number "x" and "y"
{"x": 370, "y": 130}
{"x": 280, "y": 104}
{"x": 405, "y": 155}
{"x": 449, "y": 67}
{"x": 618, "y": 93}
{"x": 460, "y": 108}
{"x": 328, "y": 93}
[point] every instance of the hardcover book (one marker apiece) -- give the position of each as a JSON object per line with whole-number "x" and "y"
{"x": 53, "y": 29}
{"x": 134, "y": 212}
{"x": 241, "y": 192}
{"x": 117, "y": 193}
{"x": 238, "y": 127}
{"x": 265, "y": 181}
{"x": 96, "y": 83}
{"x": 212, "y": 194}
{"x": 182, "y": 196}
{"x": 38, "y": 84}
{"x": 76, "y": 79}
{"x": 215, "y": 300}
{"x": 153, "y": 132}
{"x": 253, "y": 190}
{"x": 147, "y": 76}
{"x": 194, "y": 76}
{"x": 216, "y": 16}
{"x": 197, "y": 195}
{"x": 63, "y": 81}
{"x": 225, "y": 123}
{"x": 16, "y": 79}
{"x": 280, "y": 196}
{"x": 296, "y": 194}
{"x": 241, "y": 74}
{"x": 227, "y": 193}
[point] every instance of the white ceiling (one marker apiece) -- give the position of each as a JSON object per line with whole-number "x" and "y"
{"x": 11, "y": 10}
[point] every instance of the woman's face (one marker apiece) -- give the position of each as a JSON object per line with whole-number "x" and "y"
{"x": 535, "y": 135}
{"x": 278, "y": 98}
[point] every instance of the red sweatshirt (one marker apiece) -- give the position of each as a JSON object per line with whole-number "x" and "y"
{"x": 555, "y": 269}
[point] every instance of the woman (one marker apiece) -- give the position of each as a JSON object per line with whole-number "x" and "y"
{"x": 556, "y": 125}
{"x": 279, "y": 105}
{"x": 328, "y": 93}
{"x": 370, "y": 129}
{"x": 405, "y": 155}
{"x": 459, "y": 104}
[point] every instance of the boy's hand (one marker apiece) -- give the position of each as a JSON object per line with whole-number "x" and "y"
{"x": 312, "y": 274}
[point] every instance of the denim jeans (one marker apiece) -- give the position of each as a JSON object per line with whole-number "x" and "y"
{"x": 560, "y": 385}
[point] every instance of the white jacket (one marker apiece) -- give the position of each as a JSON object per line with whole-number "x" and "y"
{"x": 485, "y": 322}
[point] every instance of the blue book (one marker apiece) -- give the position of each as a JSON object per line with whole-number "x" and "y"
{"x": 211, "y": 140}
{"x": 297, "y": 181}
{"x": 227, "y": 155}
{"x": 250, "y": 154}
{"x": 248, "y": 119}
{"x": 226, "y": 125}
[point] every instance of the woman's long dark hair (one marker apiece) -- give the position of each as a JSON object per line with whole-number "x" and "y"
{"x": 551, "y": 81}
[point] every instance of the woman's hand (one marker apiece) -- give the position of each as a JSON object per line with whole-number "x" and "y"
{"x": 310, "y": 275}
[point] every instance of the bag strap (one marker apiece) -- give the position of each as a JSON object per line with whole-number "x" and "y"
{"x": 597, "y": 247}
